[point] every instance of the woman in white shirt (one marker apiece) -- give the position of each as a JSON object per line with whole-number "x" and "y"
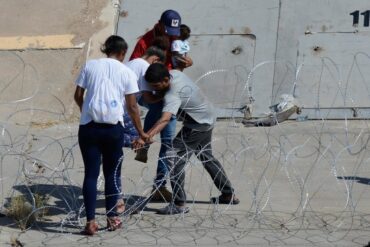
{"x": 110, "y": 89}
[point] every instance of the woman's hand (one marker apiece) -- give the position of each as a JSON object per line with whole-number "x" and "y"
{"x": 138, "y": 144}
{"x": 145, "y": 137}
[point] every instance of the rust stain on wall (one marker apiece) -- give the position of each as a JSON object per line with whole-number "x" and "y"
{"x": 237, "y": 50}
{"x": 317, "y": 50}
{"x": 247, "y": 30}
{"x": 123, "y": 13}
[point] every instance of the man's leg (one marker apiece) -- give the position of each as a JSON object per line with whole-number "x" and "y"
{"x": 181, "y": 154}
{"x": 178, "y": 156}
{"x": 151, "y": 117}
{"x": 167, "y": 135}
{"x": 160, "y": 192}
{"x": 212, "y": 165}
{"x": 215, "y": 170}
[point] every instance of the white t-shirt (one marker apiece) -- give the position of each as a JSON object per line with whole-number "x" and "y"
{"x": 139, "y": 67}
{"x": 95, "y": 71}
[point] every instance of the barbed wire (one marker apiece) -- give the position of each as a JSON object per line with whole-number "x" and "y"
{"x": 299, "y": 182}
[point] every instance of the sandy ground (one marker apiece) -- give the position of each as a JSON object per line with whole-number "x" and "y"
{"x": 300, "y": 183}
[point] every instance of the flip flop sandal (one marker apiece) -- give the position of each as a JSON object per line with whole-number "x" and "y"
{"x": 90, "y": 229}
{"x": 113, "y": 223}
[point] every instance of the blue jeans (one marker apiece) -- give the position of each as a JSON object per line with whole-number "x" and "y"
{"x": 167, "y": 134}
{"x": 129, "y": 131}
{"x": 101, "y": 142}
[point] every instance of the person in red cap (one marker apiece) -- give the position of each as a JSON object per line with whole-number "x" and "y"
{"x": 168, "y": 26}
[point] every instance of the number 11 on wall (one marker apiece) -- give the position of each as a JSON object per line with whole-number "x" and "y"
{"x": 356, "y": 17}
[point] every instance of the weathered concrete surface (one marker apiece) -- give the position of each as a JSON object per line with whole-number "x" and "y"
{"x": 43, "y": 17}
{"x": 300, "y": 184}
{"x": 37, "y": 85}
{"x": 62, "y": 41}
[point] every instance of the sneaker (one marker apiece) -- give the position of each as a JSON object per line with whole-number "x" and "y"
{"x": 173, "y": 209}
{"x": 142, "y": 155}
{"x": 162, "y": 194}
{"x": 225, "y": 199}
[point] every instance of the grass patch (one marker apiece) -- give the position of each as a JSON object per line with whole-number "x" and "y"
{"x": 14, "y": 242}
{"x": 23, "y": 211}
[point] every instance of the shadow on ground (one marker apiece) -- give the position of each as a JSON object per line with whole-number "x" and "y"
{"x": 357, "y": 179}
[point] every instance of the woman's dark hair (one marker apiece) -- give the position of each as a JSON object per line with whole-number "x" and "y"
{"x": 155, "y": 51}
{"x": 184, "y": 32}
{"x": 161, "y": 42}
{"x": 156, "y": 72}
{"x": 113, "y": 45}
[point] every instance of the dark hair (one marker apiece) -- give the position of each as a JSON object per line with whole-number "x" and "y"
{"x": 161, "y": 42}
{"x": 156, "y": 72}
{"x": 155, "y": 51}
{"x": 113, "y": 45}
{"x": 184, "y": 32}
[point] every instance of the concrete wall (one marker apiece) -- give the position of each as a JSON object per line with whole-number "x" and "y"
{"x": 309, "y": 48}
{"x": 43, "y": 43}
{"x": 320, "y": 36}
{"x": 242, "y": 50}
{"x": 226, "y": 43}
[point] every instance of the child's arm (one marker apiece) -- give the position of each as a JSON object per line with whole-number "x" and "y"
{"x": 185, "y": 61}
